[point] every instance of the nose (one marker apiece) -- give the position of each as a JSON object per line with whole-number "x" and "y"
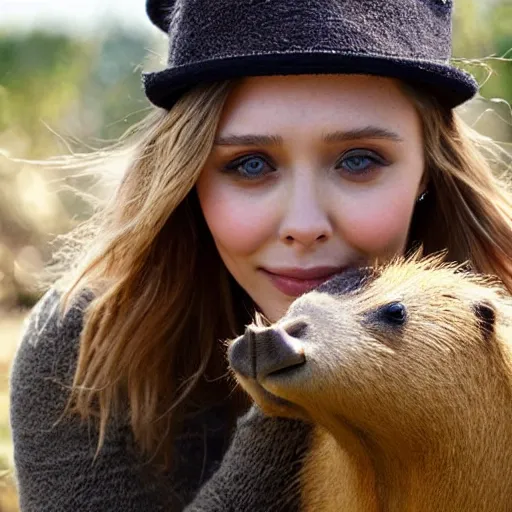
{"x": 306, "y": 220}
{"x": 261, "y": 352}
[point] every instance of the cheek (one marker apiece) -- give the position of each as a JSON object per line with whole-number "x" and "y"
{"x": 239, "y": 221}
{"x": 379, "y": 225}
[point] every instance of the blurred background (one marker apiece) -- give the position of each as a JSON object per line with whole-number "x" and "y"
{"x": 70, "y": 83}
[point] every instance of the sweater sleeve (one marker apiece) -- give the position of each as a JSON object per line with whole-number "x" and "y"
{"x": 261, "y": 470}
{"x": 54, "y": 462}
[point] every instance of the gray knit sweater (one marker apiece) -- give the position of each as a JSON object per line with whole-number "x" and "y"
{"x": 256, "y": 470}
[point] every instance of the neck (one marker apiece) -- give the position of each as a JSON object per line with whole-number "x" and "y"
{"x": 465, "y": 467}
{"x": 451, "y": 477}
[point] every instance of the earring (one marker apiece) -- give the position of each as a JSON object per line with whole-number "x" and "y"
{"x": 422, "y": 196}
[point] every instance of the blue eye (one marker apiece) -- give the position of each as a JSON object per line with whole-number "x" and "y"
{"x": 253, "y": 166}
{"x": 360, "y": 163}
{"x": 250, "y": 167}
{"x": 357, "y": 163}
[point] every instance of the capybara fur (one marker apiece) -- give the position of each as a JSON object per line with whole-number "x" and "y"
{"x": 405, "y": 370}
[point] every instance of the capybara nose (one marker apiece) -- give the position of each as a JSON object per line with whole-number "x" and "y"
{"x": 261, "y": 352}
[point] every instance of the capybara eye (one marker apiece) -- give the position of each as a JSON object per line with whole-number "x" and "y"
{"x": 395, "y": 313}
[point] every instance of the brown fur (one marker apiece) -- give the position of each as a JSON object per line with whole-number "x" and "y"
{"x": 415, "y": 417}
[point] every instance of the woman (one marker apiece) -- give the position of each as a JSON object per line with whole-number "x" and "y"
{"x": 289, "y": 144}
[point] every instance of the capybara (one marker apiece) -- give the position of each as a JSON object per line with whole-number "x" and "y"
{"x": 405, "y": 371}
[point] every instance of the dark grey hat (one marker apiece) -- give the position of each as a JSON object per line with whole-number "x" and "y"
{"x": 214, "y": 40}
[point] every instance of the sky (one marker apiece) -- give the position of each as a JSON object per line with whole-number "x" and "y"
{"x": 79, "y": 16}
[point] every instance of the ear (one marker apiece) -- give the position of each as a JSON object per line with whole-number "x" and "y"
{"x": 486, "y": 315}
{"x": 159, "y": 13}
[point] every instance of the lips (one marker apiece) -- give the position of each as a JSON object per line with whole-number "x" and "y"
{"x": 297, "y": 281}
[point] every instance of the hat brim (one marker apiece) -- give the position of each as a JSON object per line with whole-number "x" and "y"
{"x": 449, "y": 84}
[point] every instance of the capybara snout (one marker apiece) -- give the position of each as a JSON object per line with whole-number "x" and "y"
{"x": 260, "y": 352}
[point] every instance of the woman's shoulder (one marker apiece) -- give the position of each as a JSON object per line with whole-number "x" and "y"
{"x": 48, "y": 346}
{"x": 54, "y": 453}
{"x": 47, "y": 327}
{"x": 46, "y": 318}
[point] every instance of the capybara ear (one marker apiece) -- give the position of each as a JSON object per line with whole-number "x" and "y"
{"x": 486, "y": 314}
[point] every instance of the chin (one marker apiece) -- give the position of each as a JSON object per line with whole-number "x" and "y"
{"x": 275, "y": 310}
{"x": 270, "y": 403}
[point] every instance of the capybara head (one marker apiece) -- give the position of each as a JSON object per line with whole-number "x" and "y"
{"x": 402, "y": 346}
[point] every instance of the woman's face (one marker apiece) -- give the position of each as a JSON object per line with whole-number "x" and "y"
{"x": 310, "y": 175}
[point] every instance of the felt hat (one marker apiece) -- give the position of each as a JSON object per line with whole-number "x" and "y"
{"x": 214, "y": 40}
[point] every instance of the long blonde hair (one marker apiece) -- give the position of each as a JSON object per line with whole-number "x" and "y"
{"x": 163, "y": 298}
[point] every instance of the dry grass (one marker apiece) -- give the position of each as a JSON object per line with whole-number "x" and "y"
{"x": 10, "y": 331}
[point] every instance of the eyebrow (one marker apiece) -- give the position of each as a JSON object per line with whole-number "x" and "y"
{"x": 368, "y": 132}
